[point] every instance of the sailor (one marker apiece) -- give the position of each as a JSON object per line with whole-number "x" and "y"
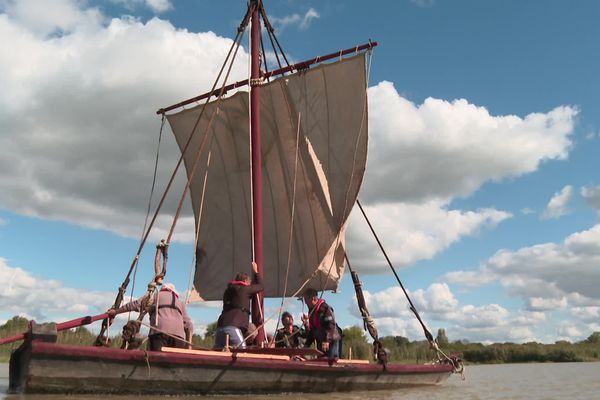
{"x": 289, "y": 336}
{"x": 320, "y": 325}
{"x": 170, "y": 324}
{"x": 233, "y": 321}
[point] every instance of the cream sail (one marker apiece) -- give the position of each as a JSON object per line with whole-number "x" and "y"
{"x": 329, "y": 103}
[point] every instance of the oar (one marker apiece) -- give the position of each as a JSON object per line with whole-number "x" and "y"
{"x": 60, "y": 327}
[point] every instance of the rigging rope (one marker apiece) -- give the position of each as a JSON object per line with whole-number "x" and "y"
{"x": 293, "y": 213}
{"x": 119, "y": 298}
{"x": 197, "y": 235}
{"x": 412, "y": 307}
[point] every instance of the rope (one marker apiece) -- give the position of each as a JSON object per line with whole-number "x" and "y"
{"x": 412, "y": 307}
{"x": 293, "y": 213}
{"x": 199, "y": 152}
{"x": 261, "y": 326}
{"x": 197, "y": 235}
{"x": 123, "y": 287}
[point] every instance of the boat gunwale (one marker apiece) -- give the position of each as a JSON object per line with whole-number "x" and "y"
{"x": 41, "y": 349}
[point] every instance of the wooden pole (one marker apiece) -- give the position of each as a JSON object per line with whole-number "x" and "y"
{"x": 257, "y": 193}
{"x": 59, "y": 327}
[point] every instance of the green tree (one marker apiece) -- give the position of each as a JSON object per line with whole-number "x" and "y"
{"x": 594, "y": 338}
{"x": 355, "y": 339}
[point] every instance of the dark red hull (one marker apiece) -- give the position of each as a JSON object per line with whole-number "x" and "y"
{"x": 53, "y": 368}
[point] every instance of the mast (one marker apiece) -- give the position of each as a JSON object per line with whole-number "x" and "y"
{"x": 257, "y": 193}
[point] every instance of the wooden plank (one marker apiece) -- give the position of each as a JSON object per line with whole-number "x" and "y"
{"x": 224, "y": 354}
{"x": 343, "y": 361}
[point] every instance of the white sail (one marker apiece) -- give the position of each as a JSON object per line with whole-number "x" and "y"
{"x": 331, "y": 102}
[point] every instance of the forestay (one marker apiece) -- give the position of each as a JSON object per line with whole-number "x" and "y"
{"x": 331, "y": 102}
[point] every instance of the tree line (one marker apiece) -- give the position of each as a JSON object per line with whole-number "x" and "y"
{"x": 355, "y": 342}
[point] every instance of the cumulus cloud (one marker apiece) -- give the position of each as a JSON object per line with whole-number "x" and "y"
{"x": 77, "y": 113}
{"x": 438, "y": 306}
{"x": 33, "y": 296}
{"x": 412, "y": 232}
{"x": 591, "y": 194}
{"x": 302, "y": 21}
{"x": 77, "y": 116}
{"x": 546, "y": 276}
{"x": 442, "y": 149}
{"x": 43, "y": 18}
{"x": 558, "y": 204}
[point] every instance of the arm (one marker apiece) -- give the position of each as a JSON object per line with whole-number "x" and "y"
{"x": 188, "y": 326}
{"x": 132, "y": 306}
{"x": 257, "y": 286}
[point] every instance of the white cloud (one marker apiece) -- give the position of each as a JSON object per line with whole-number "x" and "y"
{"x": 43, "y": 298}
{"x": 586, "y": 314}
{"x": 438, "y": 306}
{"x": 302, "y": 21}
{"x": 441, "y": 149}
{"x": 591, "y": 194}
{"x": 49, "y": 17}
{"x": 545, "y": 304}
{"x": 412, "y": 232}
{"x": 557, "y": 206}
{"x": 547, "y": 276}
{"x": 567, "y": 331}
{"x": 77, "y": 116}
{"x": 157, "y": 6}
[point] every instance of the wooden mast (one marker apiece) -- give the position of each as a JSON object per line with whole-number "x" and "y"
{"x": 257, "y": 192}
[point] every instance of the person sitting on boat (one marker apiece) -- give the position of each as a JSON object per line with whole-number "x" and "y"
{"x": 290, "y": 335}
{"x": 321, "y": 326}
{"x": 233, "y": 321}
{"x": 170, "y": 324}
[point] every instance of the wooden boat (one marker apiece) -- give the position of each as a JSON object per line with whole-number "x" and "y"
{"x": 53, "y": 368}
{"x": 307, "y": 136}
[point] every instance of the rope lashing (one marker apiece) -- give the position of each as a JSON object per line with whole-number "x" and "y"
{"x": 368, "y": 322}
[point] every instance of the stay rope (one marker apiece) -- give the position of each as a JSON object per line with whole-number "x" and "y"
{"x": 119, "y": 298}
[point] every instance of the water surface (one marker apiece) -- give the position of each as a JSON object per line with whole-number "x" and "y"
{"x": 577, "y": 381}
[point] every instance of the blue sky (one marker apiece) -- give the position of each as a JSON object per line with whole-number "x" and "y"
{"x": 482, "y": 178}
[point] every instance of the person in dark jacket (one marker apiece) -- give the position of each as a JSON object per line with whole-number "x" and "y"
{"x": 234, "y": 318}
{"x": 289, "y": 336}
{"x": 320, "y": 325}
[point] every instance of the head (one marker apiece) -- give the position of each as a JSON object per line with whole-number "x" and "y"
{"x": 171, "y": 287}
{"x": 311, "y": 297}
{"x": 287, "y": 319}
{"x": 242, "y": 277}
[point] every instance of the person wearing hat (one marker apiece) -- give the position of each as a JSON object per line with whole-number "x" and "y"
{"x": 170, "y": 324}
{"x": 290, "y": 335}
{"x": 321, "y": 326}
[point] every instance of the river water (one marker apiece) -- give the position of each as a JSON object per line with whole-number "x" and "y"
{"x": 574, "y": 381}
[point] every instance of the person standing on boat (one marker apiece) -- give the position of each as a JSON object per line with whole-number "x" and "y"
{"x": 321, "y": 326}
{"x": 234, "y": 318}
{"x": 289, "y": 336}
{"x": 170, "y": 324}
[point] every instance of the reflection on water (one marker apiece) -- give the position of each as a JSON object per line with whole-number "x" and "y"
{"x": 578, "y": 381}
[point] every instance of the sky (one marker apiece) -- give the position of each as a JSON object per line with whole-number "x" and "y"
{"x": 482, "y": 179}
